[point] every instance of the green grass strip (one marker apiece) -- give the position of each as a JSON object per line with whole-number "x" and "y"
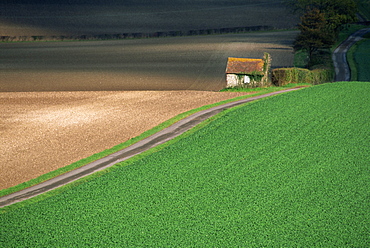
{"x": 80, "y": 163}
{"x": 287, "y": 171}
{"x": 351, "y": 62}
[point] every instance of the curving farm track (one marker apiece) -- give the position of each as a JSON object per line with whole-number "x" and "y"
{"x": 342, "y": 70}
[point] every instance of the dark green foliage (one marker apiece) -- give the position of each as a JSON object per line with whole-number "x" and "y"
{"x": 315, "y": 33}
{"x": 320, "y": 23}
{"x": 337, "y": 12}
{"x": 288, "y": 171}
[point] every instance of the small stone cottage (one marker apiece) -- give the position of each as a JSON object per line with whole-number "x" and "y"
{"x": 248, "y": 73}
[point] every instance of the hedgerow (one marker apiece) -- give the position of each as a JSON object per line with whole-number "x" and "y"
{"x": 284, "y": 76}
{"x": 290, "y": 170}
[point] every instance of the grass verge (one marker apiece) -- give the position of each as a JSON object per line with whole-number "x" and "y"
{"x": 351, "y": 62}
{"x": 357, "y": 57}
{"x": 289, "y": 170}
{"x": 80, "y": 163}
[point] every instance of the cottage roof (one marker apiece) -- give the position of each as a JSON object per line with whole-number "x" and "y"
{"x": 244, "y": 66}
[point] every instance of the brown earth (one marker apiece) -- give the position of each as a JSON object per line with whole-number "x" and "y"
{"x": 43, "y": 131}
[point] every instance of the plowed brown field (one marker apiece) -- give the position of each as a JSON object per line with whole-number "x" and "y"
{"x": 43, "y": 131}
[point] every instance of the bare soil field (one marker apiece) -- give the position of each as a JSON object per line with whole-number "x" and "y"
{"x": 82, "y": 17}
{"x": 43, "y": 131}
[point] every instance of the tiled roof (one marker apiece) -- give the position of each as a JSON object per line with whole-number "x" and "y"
{"x": 244, "y": 65}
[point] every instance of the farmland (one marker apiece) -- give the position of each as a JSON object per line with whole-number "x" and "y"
{"x": 44, "y": 131}
{"x": 65, "y": 101}
{"x": 81, "y": 17}
{"x": 178, "y": 63}
{"x": 289, "y": 170}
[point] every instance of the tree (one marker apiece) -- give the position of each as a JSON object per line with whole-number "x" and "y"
{"x": 315, "y": 33}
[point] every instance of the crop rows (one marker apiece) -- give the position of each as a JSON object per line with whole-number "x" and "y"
{"x": 290, "y": 170}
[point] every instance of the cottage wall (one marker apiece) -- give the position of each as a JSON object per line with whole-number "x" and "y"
{"x": 235, "y": 80}
{"x": 232, "y": 81}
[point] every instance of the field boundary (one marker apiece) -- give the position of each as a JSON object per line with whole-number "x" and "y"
{"x": 120, "y": 36}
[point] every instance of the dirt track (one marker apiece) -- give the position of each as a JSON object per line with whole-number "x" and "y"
{"x": 43, "y": 131}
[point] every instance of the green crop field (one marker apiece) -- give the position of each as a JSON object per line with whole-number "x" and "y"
{"x": 287, "y": 171}
{"x": 361, "y": 56}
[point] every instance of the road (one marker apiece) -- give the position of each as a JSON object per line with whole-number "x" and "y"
{"x": 342, "y": 70}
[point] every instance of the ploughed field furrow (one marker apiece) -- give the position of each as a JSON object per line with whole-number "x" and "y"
{"x": 178, "y": 63}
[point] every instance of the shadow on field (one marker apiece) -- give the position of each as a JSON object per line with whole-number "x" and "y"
{"x": 193, "y": 41}
{"x": 178, "y": 63}
{"x": 97, "y": 17}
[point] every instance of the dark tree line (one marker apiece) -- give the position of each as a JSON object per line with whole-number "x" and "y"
{"x": 321, "y": 21}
